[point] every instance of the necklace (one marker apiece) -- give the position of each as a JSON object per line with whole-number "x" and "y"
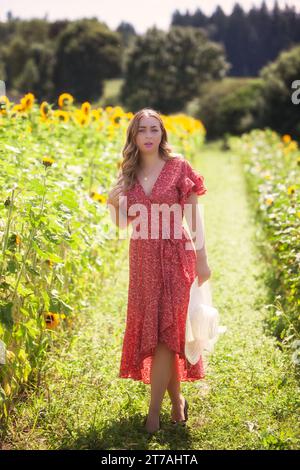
{"x": 145, "y": 178}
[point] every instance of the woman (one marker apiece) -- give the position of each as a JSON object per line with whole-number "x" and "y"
{"x": 161, "y": 267}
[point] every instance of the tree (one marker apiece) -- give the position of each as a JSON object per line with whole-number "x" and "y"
{"x": 165, "y": 70}
{"x": 87, "y": 52}
{"x": 279, "y": 110}
{"x": 127, "y": 32}
{"x": 29, "y": 79}
{"x": 251, "y": 39}
{"x": 15, "y": 56}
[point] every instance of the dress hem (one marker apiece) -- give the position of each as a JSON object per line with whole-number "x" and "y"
{"x": 149, "y": 383}
{"x": 137, "y": 376}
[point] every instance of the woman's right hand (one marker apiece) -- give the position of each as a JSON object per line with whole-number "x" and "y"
{"x": 116, "y": 193}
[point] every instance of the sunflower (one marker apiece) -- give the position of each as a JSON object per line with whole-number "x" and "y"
{"x": 14, "y": 240}
{"x": 97, "y": 196}
{"x": 291, "y": 190}
{"x": 49, "y": 263}
{"x": 293, "y": 146}
{"x": 65, "y": 99}
{"x": 47, "y": 161}
{"x": 86, "y": 107}
{"x": 117, "y": 115}
{"x": 17, "y": 108}
{"x": 45, "y": 109}
{"x": 95, "y": 115}
{"x": 80, "y": 118}
{"x": 51, "y": 319}
{"x": 27, "y": 101}
{"x": 61, "y": 115}
{"x": 286, "y": 138}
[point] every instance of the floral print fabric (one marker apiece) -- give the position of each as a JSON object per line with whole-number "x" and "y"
{"x": 161, "y": 271}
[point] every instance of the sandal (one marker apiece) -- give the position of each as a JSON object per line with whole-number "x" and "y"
{"x": 183, "y": 421}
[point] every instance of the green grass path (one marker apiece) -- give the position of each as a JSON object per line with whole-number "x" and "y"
{"x": 249, "y": 397}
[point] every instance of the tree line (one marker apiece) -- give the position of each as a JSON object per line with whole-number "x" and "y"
{"x": 166, "y": 70}
{"x": 251, "y": 39}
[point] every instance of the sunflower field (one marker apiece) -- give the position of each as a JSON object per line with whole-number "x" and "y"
{"x": 272, "y": 169}
{"x": 57, "y": 246}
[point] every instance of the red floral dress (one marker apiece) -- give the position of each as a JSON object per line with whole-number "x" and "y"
{"x": 161, "y": 271}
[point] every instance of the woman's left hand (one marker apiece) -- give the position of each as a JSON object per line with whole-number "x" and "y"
{"x": 203, "y": 270}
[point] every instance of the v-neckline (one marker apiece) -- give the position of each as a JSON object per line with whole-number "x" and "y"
{"x": 159, "y": 175}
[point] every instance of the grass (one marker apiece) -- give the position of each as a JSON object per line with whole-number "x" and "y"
{"x": 110, "y": 96}
{"x": 249, "y": 398}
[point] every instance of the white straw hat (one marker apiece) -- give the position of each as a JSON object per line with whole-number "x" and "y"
{"x": 202, "y": 322}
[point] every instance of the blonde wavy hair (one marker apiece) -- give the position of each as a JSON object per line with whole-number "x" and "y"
{"x": 131, "y": 154}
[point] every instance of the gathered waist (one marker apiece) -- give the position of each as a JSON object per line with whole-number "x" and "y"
{"x": 177, "y": 236}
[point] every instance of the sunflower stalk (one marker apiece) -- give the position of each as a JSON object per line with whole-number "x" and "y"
{"x": 31, "y": 235}
{"x": 5, "y": 237}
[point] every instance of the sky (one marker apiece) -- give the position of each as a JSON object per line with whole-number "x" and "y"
{"x": 141, "y": 14}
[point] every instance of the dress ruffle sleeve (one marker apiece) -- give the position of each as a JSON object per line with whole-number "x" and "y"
{"x": 190, "y": 181}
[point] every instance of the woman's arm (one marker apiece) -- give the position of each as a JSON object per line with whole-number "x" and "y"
{"x": 116, "y": 204}
{"x": 119, "y": 216}
{"x": 194, "y": 220}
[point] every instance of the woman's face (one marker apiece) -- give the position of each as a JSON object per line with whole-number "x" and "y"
{"x": 149, "y": 132}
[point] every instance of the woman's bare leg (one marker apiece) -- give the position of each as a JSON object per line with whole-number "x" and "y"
{"x": 161, "y": 371}
{"x": 176, "y": 397}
